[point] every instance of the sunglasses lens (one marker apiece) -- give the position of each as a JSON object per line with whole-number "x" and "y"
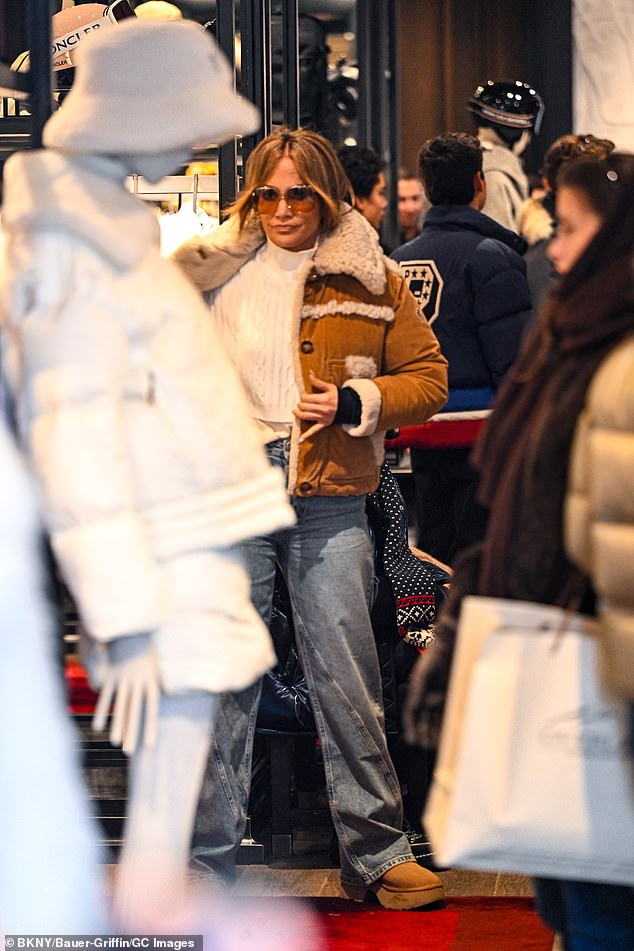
{"x": 266, "y": 199}
{"x": 301, "y": 198}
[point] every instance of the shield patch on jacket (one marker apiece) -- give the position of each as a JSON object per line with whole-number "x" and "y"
{"x": 426, "y": 285}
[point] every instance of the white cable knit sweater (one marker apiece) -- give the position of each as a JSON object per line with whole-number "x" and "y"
{"x": 253, "y": 313}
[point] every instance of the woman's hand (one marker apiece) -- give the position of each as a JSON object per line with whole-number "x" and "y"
{"x": 320, "y": 406}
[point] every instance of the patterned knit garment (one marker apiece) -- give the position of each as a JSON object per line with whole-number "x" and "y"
{"x": 413, "y": 581}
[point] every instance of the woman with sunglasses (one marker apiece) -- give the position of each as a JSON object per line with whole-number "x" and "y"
{"x": 332, "y": 353}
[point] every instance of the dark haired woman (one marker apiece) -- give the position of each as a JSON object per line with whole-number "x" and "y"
{"x": 557, "y": 472}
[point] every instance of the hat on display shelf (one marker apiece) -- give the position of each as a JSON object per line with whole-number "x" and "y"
{"x": 69, "y": 28}
{"x": 149, "y": 86}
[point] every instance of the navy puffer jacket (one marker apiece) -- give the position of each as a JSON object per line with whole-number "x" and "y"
{"x": 468, "y": 276}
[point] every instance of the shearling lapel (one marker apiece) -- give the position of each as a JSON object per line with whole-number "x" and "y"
{"x": 210, "y": 261}
{"x": 352, "y": 248}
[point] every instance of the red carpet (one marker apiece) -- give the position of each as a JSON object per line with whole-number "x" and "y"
{"x": 461, "y": 924}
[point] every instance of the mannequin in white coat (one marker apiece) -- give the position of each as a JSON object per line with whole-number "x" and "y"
{"x": 166, "y": 736}
{"x": 150, "y": 469}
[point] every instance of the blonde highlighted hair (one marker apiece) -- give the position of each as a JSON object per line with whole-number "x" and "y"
{"x": 317, "y": 165}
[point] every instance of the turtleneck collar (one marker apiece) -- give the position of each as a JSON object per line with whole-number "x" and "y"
{"x": 283, "y": 259}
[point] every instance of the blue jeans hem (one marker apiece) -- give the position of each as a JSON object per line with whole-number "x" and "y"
{"x": 378, "y": 873}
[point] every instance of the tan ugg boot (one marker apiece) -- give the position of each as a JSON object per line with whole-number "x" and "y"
{"x": 401, "y": 888}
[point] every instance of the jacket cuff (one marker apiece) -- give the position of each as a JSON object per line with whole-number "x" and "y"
{"x": 349, "y": 407}
{"x": 371, "y": 402}
{"x": 221, "y": 517}
{"x": 113, "y": 575}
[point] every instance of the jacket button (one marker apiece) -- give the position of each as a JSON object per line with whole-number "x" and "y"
{"x": 306, "y": 487}
{"x": 306, "y": 346}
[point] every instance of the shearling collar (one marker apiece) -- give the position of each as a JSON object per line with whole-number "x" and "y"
{"x": 352, "y": 248}
{"x": 47, "y": 191}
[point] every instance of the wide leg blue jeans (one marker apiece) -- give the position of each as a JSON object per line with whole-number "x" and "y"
{"x": 326, "y": 560}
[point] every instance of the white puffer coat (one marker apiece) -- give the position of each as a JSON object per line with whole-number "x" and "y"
{"x": 599, "y": 516}
{"x": 136, "y": 425}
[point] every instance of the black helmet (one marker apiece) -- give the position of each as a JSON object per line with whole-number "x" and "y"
{"x": 509, "y": 103}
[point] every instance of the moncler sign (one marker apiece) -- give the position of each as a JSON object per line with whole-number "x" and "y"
{"x": 63, "y": 46}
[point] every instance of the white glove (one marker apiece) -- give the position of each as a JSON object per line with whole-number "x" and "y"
{"x": 132, "y": 685}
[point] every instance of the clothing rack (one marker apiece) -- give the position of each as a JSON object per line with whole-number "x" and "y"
{"x": 175, "y": 186}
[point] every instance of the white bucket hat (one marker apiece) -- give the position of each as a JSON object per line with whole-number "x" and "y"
{"x": 149, "y": 86}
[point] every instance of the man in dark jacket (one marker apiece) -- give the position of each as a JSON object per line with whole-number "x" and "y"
{"x": 470, "y": 282}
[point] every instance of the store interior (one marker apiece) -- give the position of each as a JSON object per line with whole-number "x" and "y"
{"x": 388, "y": 74}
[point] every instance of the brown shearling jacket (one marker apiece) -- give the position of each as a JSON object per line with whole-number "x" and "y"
{"x": 356, "y": 324}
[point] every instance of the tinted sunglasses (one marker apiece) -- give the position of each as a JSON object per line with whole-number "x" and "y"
{"x": 300, "y": 199}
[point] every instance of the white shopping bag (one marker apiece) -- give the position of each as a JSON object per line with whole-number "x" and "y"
{"x": 532, "y": 775}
